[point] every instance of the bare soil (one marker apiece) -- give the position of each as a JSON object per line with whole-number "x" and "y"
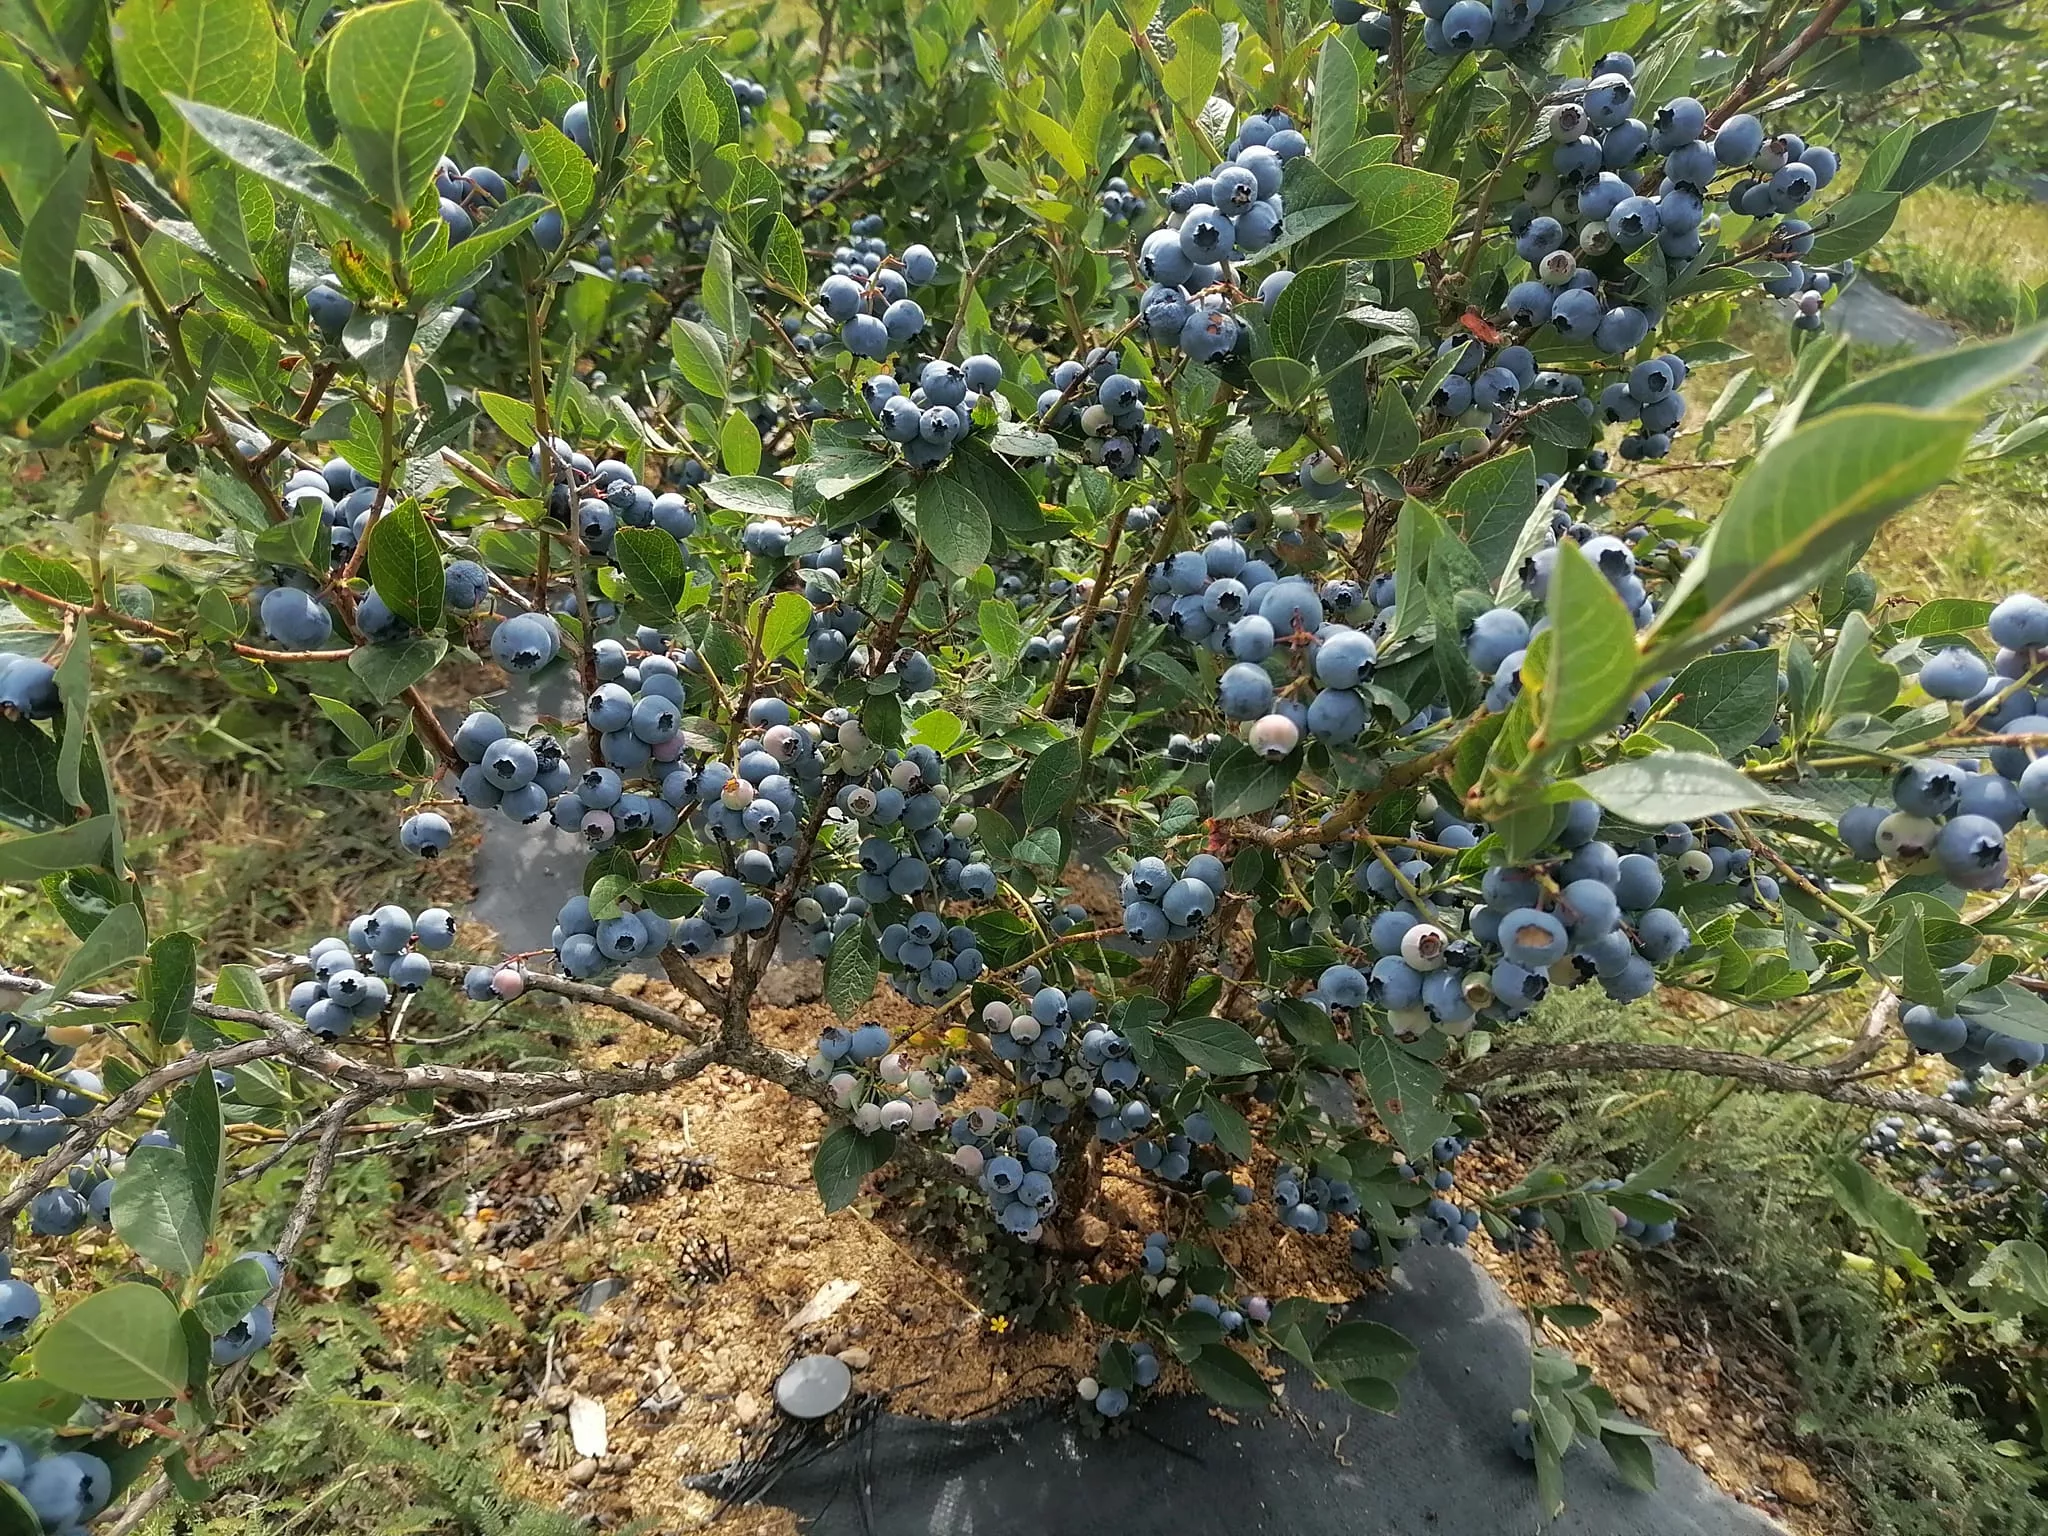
{"x": 659, "y": 1193}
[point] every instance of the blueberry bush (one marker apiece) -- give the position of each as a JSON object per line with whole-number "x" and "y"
{"x": 1222, "y": 445}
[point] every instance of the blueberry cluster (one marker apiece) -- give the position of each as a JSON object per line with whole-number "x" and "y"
{"x": 873, "y": 1081}
{"x": 747, "y": 94}
{"x": 1113, "y": 1401}
{"x": 1161, "y": 907}
{"x": 65, "y": 1490}
{"x": 1286, "y": 638}
{"x": 1014, "y": 1165}
{"x": 1227, "y": 216}
{"x": 1454, "y": 27}
{"x": 909, "y": 846}
{"x": 587, "y": 945}
{"x": 19, "y": 1304}
{"x": 1036, "y": 1038}
{"x": 494, "y": 984}
{"x": 519, "y": 776}
{"x": 1065, "y": 598}
{"x": 28, "y": 688}
{"x": 1948, "y": 818}
{"x": 1939, "y": 1163}
{"x": 597, "y": 498}
{"x": 1967, "y": 1043}
{"x": 824, "y": 912}
{"x": 867, "y": 292}
{"x": 932, "y": 961}
{"x": 833, "y": 643}
{"x": 938, "y": 410}
{"x": 34, "y": 1112}
{"x": 1304, "y": 1202}
{"x": 1118, "y": 202}
{"x": 1112, "y": 425}
{"x": 352, "y": 978}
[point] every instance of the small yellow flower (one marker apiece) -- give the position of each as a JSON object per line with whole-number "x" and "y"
{"x": 999, "y": 1325}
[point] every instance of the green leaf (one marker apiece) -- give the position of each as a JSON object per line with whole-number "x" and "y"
{"x": 220, "y": 52}
{"x": 1936, "y": 151}
{"x": 120, "y": 938}
{"x": 785, "y": 256}
{"x": 783, "y": 625}
{"x": 1012, "y": 506}
{"x": 1404, "y": 1090}
{"x": 1242, "y": 783}
{"x": 1591, "y": 671}
{"x": 1943, "y": 380}
{"x": 1225, "y": 1375}
{"x": 124, "y": 1343}
{"x": 31, "y": 153}
{"x": 1190, "y": 75}
{"x": 1632, "y": 1459}
{"x": 952, "y": 523}
{"x": 564, "y": 170}
{"x": 285, "y": 162}
{"x": 1670, "y": 786}
{"x": 1000, "y": 631}
{"x": 851, "y": 971}
{"x": 2015, "y": 1271}
{"x": 50, "y": 244}
{"x": 652, "y": 563}
{"x": 1806, "y": 497}
{"x": 1401, "y": 212}
{"x": 26, "y": 1402}
{"x": 1337, "y": 93}
{"x": 844, "y": 1158}
{"x": 514, "y": 418}
{"x": 616, "y": 32}
{"x": 1216, "y": 1046}
{"x": 230, "y": 1295}
{"x": 1730, "y": 698}
{"x": 204, "y": 1147}
{"x": 1493, "y": 501}
{"x": 699, "y": 358}
{"x": 460, "y": 266}
{"x": 173, "y": 975}
{"x": 1855, "y": 224}
{"x": 349, "y": 720}
{"x": 754, "y": 495}
{"x": 1305, "y": 309}
{"x": 71, "y": 417}
{"x": 1364, "y": 1348}
{"x": 239, "y": 986}
{"x": 1057, "y": 142}
{"x": 1391, "y": 434}
{"x": 1949, "y": 616}
{"x": 24, "y": 860}
{"x": 1051, "y": 782}
{"x": 405, "y": 564}
{"x": 388, "y": 670}
{"x": 398, "y": 79}
{"x": 1874, "y": 1205}
{"x": 739, "y": 444}
{"x": 156, "y": 1211}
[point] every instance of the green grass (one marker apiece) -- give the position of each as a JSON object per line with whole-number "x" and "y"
{"x": 1909, "y": 1409}
{"x": 1963, "y": 255}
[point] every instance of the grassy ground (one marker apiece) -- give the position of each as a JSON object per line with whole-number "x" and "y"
{"x": 1962, "y": 255}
